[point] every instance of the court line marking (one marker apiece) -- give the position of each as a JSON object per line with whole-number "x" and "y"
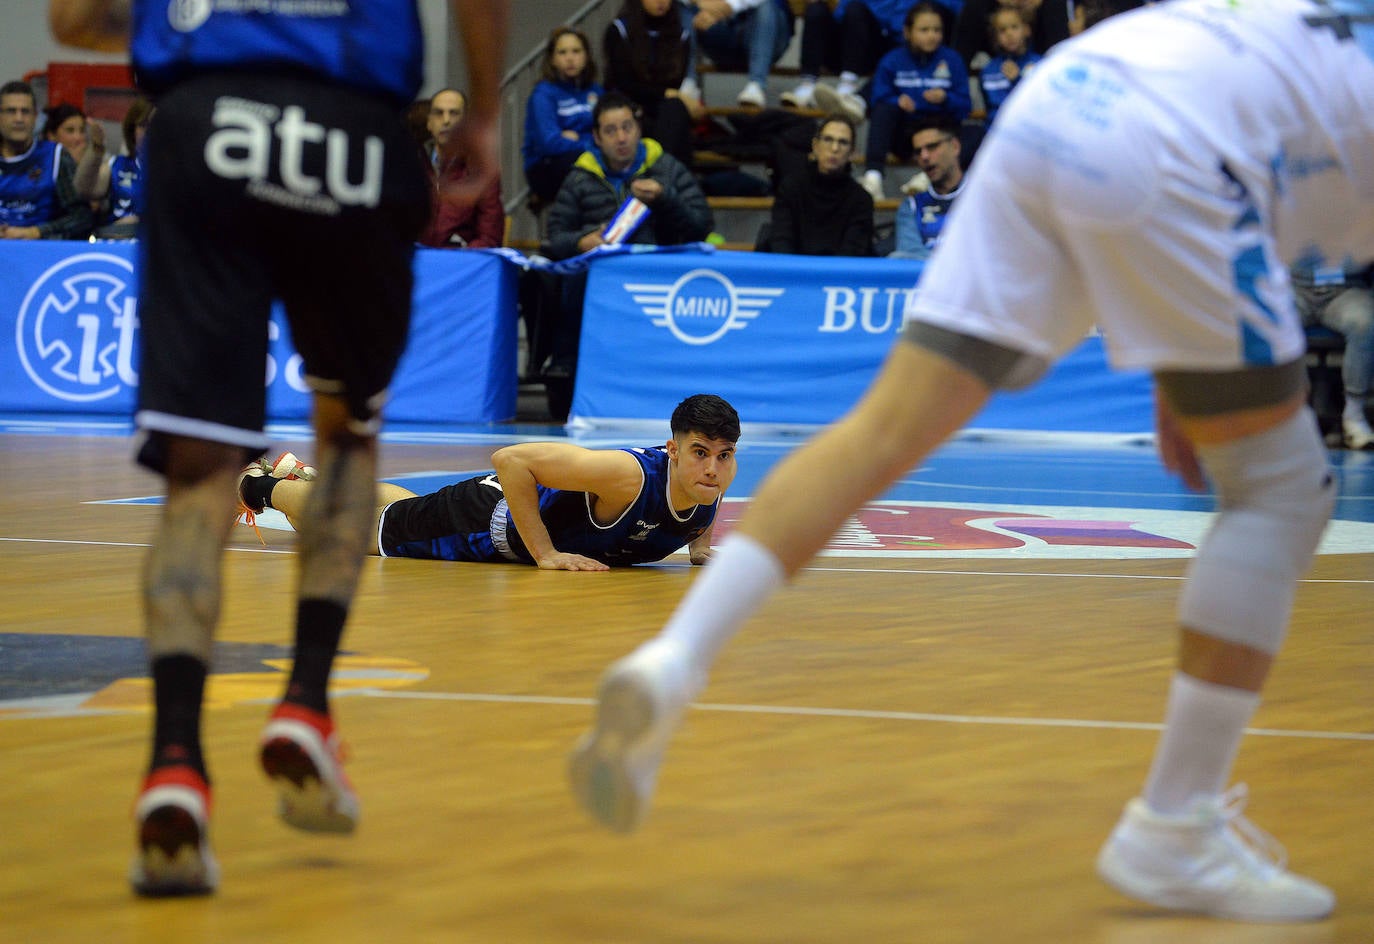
{"x": 679, "y": 565}
{"x": 860, "y": 714}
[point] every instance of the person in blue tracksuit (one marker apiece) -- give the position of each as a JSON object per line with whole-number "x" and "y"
{"x": 558, "y": 115}
{"x": 916, "y": 81}
{"x": 1011, "y": 35}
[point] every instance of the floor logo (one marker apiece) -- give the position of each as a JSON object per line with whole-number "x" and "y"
{"x": 921, "y": 529}
{"x": 44, "y": 675}
{"x": 76, "y": 328}
{"x": 702, "y": 306}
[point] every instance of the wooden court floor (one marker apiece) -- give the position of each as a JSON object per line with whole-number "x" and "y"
{"x": 893, "y": 751}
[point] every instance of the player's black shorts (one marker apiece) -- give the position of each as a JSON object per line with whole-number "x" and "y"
{"x": 454, "y": 523}
{"x": 264, "y": 187}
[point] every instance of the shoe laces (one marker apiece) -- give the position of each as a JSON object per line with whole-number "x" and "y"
{"x": 250, "y": 519}
{"x": 1256, "y": 846}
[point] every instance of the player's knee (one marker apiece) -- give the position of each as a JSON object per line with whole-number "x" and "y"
{"x": 1275, "y": 493}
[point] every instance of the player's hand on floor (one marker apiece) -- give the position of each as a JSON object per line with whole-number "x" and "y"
{"x": 561, "y": 560}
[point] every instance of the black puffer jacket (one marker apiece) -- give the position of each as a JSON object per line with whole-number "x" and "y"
{"x": 588, "y": 199}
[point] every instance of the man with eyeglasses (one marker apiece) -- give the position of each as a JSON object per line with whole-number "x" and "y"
{"x": 921, "y": 216}
{"x": 823, "y": 210}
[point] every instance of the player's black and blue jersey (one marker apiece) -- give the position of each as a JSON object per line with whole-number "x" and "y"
{"x": 469, "y": 521}
{"x": 28, "y": 185}
{"x": 375, "y": 46}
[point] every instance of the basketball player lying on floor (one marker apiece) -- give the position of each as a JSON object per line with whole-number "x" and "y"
{"x": 555, "y": 505}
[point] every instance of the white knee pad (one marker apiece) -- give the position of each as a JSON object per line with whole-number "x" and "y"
{"x": 1275, "y": 492}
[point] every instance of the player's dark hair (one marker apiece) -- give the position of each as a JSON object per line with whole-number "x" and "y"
{"x": 707, "y": 414}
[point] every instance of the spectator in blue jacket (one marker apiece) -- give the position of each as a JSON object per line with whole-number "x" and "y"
{"x": 918, "y": 81}
{"x": 848, "y": 37}
{"x": 37, "y": 198}
{"x": 558, "y": 116}
{"x": 1010, "y": 33}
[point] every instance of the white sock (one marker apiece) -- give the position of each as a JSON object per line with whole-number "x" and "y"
{"x": 1354, "y": 409}
{"x": 1202, "y": 730}
{"x": 737, "y": 581}
{"x": 848, "y": 84}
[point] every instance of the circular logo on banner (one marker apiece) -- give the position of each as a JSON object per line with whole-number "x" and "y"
{"x": 75, "y": 331}
{"x": 701, "y": 306}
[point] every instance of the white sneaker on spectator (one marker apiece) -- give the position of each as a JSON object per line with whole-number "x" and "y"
{"x": 690, "y": 89}
{"x": 919, "y": 183}
{"x": 1357, "y": 433}
{"x": 1210, "y": 860}
{"x": 803, "y": 96}
{"x": 872, "y": 181}
{"x": 848, "y": 104}
{"x": 751, "y": 96}
{"x": 639, "y": 703}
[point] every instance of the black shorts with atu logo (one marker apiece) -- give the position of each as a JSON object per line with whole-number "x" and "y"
{"x": 263, "y": 188}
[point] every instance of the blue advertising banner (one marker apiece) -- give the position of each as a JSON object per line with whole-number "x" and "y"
{"x": 69, "y": 336}
{"x": 792, "y": 340}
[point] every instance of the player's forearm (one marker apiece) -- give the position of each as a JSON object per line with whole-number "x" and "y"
{"x": 521, "y": 489}
{"x": 483, "y": 26}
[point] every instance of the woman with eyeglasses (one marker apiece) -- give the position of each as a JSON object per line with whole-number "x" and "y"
{"x": 822, "y": 211}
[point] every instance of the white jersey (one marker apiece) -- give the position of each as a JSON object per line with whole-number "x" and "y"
{"x": 1282, "y": 89}
{"x": 1157, "y": 175}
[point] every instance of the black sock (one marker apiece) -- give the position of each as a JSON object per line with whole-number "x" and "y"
{"x": 319, "y": 627}
{"x": 257, "y": 492}
{"x": 178, "y": 688}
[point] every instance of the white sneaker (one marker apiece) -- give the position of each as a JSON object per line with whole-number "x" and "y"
{"x": 919, "y": 183}
{"x": 872, "y": 181}
{"x": 1356, "y": 433}
{"x": 751, "y": 96}
{"x": 1211, "y": 860}
{"x": 803, "y": 96}
{"x": 640, "y": 702}
{"x": 690, "y": 89}
{"x": 846, "y": 103}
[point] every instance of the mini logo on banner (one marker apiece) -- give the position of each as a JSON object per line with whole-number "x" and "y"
{"x": 701, "y": 306}
{"x": 76, "y": 328}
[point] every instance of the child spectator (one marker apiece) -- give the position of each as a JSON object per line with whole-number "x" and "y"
{"x": 918, "y": 81}
{"x": 649, "y": 51}
{"x": 66, "y": 124}
{"x": 558, "y": 116}
{"x": 1012, "y": 58}
{"x": 1049, "y": 23}
{"x": 116, "y": 182}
